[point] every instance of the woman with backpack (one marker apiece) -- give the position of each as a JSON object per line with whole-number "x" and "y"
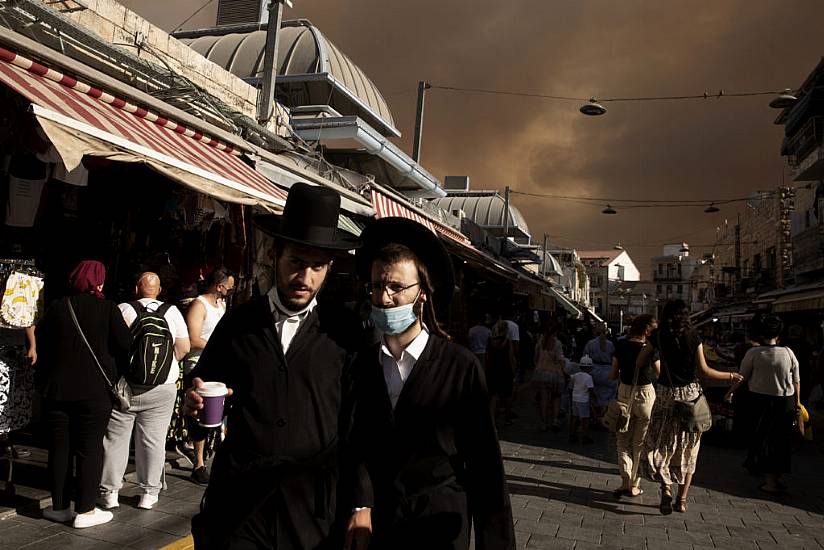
{"x": 82, "y": 340}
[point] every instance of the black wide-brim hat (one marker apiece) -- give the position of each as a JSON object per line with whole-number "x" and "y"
{"x": 310, "y": 218}
{"x": 422, "y": 241}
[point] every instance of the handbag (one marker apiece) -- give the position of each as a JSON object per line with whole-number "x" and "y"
{"x": 694, "y": 415}
{"x": 121, "y": 392}
{"x": 616, "y": 417}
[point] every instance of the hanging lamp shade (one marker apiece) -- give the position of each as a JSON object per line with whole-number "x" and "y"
{"x": 609, "y": 210}
{"x": 711, "y": 209}
{"x": 784, "y": 100}
{"x": 593, "y": 108}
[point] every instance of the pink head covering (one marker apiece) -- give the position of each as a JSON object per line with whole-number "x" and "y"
{"x": 86, "y": 277}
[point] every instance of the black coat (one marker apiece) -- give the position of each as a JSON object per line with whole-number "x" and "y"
{"x": 286, "y": 419}
{"x": 435, "y": 460}
{"x": 66, "y": 370}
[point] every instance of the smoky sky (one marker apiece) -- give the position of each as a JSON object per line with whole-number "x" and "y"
{"x": 698, "y": 149}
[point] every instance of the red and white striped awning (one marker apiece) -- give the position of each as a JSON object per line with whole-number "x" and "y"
{"x": 387, "y": 207}
{"x": 80, "y": 119}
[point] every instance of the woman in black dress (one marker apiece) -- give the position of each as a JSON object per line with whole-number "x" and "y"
{"x": 423, "y": 431}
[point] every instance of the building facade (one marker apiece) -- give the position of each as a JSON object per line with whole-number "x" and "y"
{"x": 672, "y": 273}
{"x": 603, "y": 267}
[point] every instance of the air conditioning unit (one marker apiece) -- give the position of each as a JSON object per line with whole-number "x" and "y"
{"x": 456, "y": 183}
{"x": 237, "y": 12}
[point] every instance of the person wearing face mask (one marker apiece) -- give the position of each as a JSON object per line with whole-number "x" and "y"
{"x": 201, "y": 319}
{"x": 423, "y": 437}
{"x": 286, "y": 357}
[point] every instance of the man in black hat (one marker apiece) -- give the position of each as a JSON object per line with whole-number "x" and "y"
{"x": 423, "y": 431}
{"x": 273, "y": 482}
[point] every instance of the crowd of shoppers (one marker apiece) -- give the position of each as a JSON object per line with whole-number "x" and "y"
{"x": 391, "y": 445}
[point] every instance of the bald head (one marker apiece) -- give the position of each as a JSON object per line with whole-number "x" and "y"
{"x": 148, "y": 285}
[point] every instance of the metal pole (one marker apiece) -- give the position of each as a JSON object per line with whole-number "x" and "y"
{"x": 543, "y": 259}
{"x": 506, "y": 212}
{"x": 270, "y": 59}
{"x": 416, "y": 145}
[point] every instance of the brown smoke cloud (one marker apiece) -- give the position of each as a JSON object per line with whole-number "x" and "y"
{"x": 696, "y": 149}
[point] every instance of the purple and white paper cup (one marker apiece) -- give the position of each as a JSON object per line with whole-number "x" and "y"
{"x": 214, "y": 396}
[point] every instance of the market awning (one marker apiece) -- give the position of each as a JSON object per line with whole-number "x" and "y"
{"x": 80, "y": 119}
{"x": 799, "y": 301}
{"x": 565, "y": 303}
{"x": 387, "y": 207}
{"x": 594, "y": 315}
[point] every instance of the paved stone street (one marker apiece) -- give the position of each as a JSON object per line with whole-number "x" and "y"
{"x": 561, "y": 496}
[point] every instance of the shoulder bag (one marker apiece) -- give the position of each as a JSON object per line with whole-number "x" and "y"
{"x": 694, "y": 416}
{"x": 616, "y": 417}
{"x": 121, "y": 393}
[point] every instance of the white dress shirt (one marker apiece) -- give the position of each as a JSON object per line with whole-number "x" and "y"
{"x": 396, "y": 371}
{"x": 287, "y": 322}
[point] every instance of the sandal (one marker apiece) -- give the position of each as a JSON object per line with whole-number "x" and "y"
{"x": 666, "y": 504}
{"x": 630, "y": 494}
{"x": 680, "y": 505}
{"x": 779, "y": 491}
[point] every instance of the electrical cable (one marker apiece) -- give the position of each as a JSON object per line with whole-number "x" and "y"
{"x": 684, "y": 202}
{"x": 705, "y": 95}
{"x": 200, "y": 9}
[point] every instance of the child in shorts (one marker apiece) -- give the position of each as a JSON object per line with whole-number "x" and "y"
{"x": 582, "y": 395}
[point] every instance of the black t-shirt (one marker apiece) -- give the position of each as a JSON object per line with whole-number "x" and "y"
{"x": 626, "y": 353}
{"x": 677, "y": 352}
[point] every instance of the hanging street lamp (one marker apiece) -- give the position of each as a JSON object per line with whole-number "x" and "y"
{"x": 593, "y": 108}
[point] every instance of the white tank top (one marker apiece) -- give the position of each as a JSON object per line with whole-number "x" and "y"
{"x": 213, "y": 315}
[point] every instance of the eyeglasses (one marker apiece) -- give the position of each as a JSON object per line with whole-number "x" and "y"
{"x": 390, "y": 288}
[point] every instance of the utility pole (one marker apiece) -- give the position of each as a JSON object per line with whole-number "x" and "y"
{"x": 416, "y": 145}
{"x": 270, "y": 71}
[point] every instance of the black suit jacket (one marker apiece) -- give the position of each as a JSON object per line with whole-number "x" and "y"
{"x": 434, "y": 462}
{"x": 287, "y": 417}
{"x": 65, "y": 369}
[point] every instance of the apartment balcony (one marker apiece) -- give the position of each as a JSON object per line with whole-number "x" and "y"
{"x": 804, "y": 150}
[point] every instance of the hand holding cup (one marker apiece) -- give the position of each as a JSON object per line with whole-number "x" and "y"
{"x": 197, "y": 395}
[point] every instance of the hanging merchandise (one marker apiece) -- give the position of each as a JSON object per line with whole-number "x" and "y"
{"x": 22, "y": 300}
{"x": 16, "y": 389}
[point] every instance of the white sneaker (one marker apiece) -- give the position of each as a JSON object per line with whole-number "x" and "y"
{"x": 95, "y": 517}
{"x": 147, "y": 502}
{"x": 108, "y": 501}
{"x": 59, "y": 516}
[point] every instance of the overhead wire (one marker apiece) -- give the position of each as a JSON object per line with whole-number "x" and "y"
{"x": 197, "y": 11}
{"x": 705, "y": 95}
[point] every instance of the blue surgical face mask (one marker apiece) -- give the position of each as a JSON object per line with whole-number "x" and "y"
{"x": 394, "y": 320}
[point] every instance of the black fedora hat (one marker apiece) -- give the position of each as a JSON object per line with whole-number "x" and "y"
{"x": 310, "y": 218}
{"x": 422, "y": 241}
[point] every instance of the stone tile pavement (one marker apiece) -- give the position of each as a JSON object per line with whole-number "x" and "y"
{"x": 561, "y": 496}
{"x": 167, "y": 524}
